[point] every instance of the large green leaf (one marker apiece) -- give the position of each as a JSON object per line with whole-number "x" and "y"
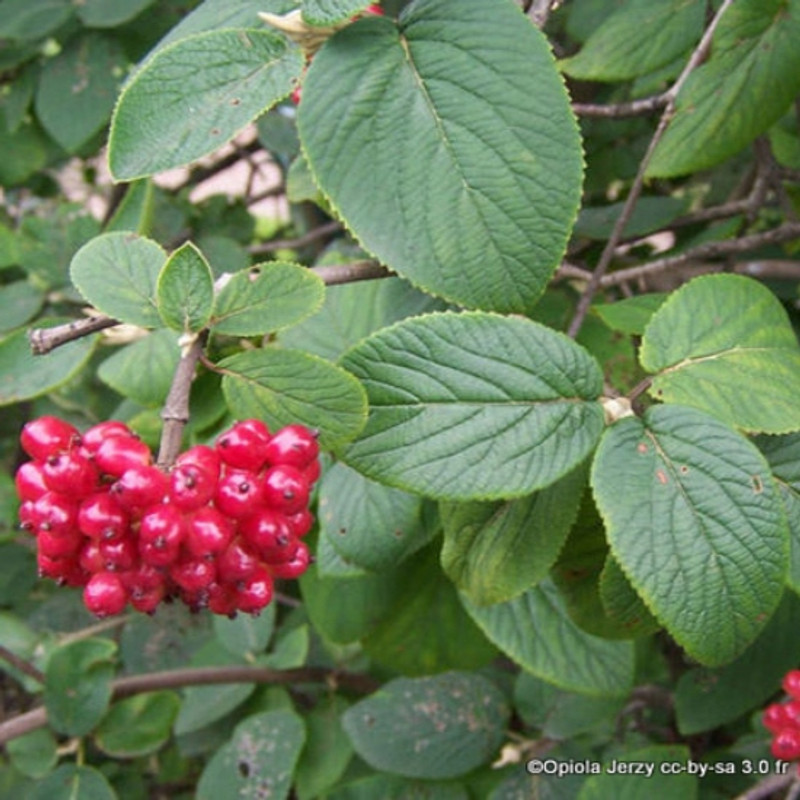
{"x": 432, "y": 727}
{"x": 194, "y": 95}
{"x": 185, "y": 290}
{"x": 258, "y": 761}
{"x": 638, "y": 38}
{"x": 23, "y": 20}
{"x": 535, "y": 630}
{"x": 331, "y": 12}
{"x": 747, "y": 84}
{"x": 283, "y": 387}
{"x": 446, "y": 142}
{"x": 266, "y": 298}
{"x": 724, "y": 344}
{"x": 698, "y": 529}
{"x": 78, "y": 87}
{"x": 117, "y": 274}
{"x": 110, "y": 13}
{"x": 474, "y": 405}
{"x": 24, "y": 375}
{"x": 495, "y": 551}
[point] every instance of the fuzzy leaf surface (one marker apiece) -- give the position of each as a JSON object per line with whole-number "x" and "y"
{"x": 185, "y": 290}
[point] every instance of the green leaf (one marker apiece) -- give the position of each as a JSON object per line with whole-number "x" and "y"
{"x": 246, "y": 636}
{"x": 621, "y": 602}
{"x": 432, "y": 727}
{"x": 78, "y": 87}
{"x": 393, "y": 787}
{"x": 331, "y": 12}
{"x": 25, "y": 21}
{"x": 495, "y": 551}
{"x": 632, "y": 314}
{"x": 185, "y": 290}
{"x": 34, "y": 754}
{"x": 24, "y": 376}
{"x": 483, "y": 211}
{"x": 650, "y": 214}
{"x": 117, "y": 274}
{"x": 783, "y": 456}
{"x": 138, "y": 725}
{"x": 110, "y": 13}
{"x": 285, "y": 386}
{"x": 535, "y": 630}
{"x": 194, "y": 95}
{"x": 24, "y": 152}
{"x": 135, "y": 212}
{"x": 427, "y": 630}
{"x": 699, "y": 529}
{"x": 724, "y": 344}
{"x": 290, "y": 649}
{"x": 708, "y": 698}
{"x": 369, "y": 525}
{"x": 266, "y": 298}
{"x": 72, "y": 782}
{"x": 259, "y": 761}
{"x": 638, "y": 38}
{"x": 746, "y": 85}
{"x": 77, "y": 689}
{"x": 474, "y": 406}
{"x": 143, "y": 370}
{"x": 20, "y": 301}
{"x": 614, "y": 782}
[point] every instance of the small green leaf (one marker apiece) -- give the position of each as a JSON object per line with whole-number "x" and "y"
{"x": 331, "y": 12}
{"x": 290, "y": 650}
{"x": 369, "y": 525}
{"x": 650, "y": 214}
{"x": 535, "y": 630}
{"x": 638, "y": 38}
{"x": 72, "y": 782}
{"x": 483, "y": 212}
{"x": 632, "y": 314}
{"x": 699, "y": 529}
{"x": 25, "y": 21}
{"x": 495, "y": 551}
{"x": 138, "y": 725}
{"x": 474, "y": 406}
{"x": 185, "y": 290}
{"x": 20, "y": 301}
{"x": 78, "y": 87}
{"x": 34, "y": 754}
{"x": 259, "y": 761}
{"x": 267, "y": 297}
{"x": 194, "y": 95}
{"x": 110, "y": 13}
{"x": 724, "y": 344}
{"x": 746, "y": 85}
{"x": 285, "y": 386}
{"x": 78, "y": 685}
{"x": 117, "y": 274}
{"x": 432, "y": 727}
{"x": 25, "y": 151}
{"x": 143, "y": 370}
{"x": 135, "y": 212}
{"x": 24, "y": 376}
{"x": 246, "y": 636}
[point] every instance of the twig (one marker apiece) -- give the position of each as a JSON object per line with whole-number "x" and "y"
{"x": 636, "y": 189}
{"x": 539, "y": 11}
{"x": 333, "y": 274}
{"x": 201, "y": 174}
{"x": 768, "y": 787}
{"x": 43, "y": 340}
{"x": 21, "y": 664}
{"x": 633, "y": 108}
{"x": 176, "y": 407}
{"x": 203, "y": 676}
{"x": 295, "y": 244}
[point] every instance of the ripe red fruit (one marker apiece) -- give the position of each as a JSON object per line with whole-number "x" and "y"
{"x": 47, "y": 436}
{"x": 90, "y": 558}
{"x": 70, "y": 473}
{"x": 208, "y": 532}
{"x": 222, "y": 598}
{"x": 285, "y": 489}
{"x": 294, "y": 568}
{"x": 97, "y": 434}
{"x": 55, "y": 513}
{"x": 105, "y": 594}
{"x": 243, "y": 446}
{"x": 30, "y": 482}
{"x": 300, "y": 523}
{"x": 775, "y": 717}
{"x": 375, "y": 9}
{"x": 191, "y": 487}
{"x": 269, "y": 533}
{"x": 205, "y": 457}
{"x": 256, "y": 592}
{"x": 193, "y": 575}
{"x": 295, "y": 445}
{"x": 59, "y": 546}
{"x": 786, "y": 744}
{"x": 117, "y": 454}
{"x": 239, "y": 494}
{"x": 140, "y": 487}
{"x": 791, "y": 683}
{"x": 237, "y": 562}
{"x": 119, "y": 554}
{"x": 161, "y": 532}
{"x": 100, "y": 516}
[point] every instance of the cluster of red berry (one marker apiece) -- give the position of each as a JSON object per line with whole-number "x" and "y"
{"x": 372, "y": 9}
{"x": 783, "y": 720}
{"x": 215, "y": 531}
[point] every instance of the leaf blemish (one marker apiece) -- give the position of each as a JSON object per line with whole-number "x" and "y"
{"x": 662, "y": 477}
{"x": 758, "y": 486}
{"x": 641, "y": 448}
{"x": 684, "y": 469}
{"x": 244, "y": 769}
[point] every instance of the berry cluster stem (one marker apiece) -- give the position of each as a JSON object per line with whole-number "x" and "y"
{"x": 175, "y": 412}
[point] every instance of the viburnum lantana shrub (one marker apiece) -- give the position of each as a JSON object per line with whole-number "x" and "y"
{"x": 471, "y": 468}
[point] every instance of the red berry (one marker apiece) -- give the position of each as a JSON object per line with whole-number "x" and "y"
{"x": 55, "y": 513}
{"x": 285, "y": 489}
{"x": 161, "y": 532}
{"x": 222, "y": 599}
{"x": 786, "y": 744}
{"x": 48, "y": 436}
{"x": 208, "y": 532}
{"x": 237, "y": 562}
{"x": 243, "y": 446}
{"x": 105, "y": 594}
{"x": 296, "y": 95}
{"x": 119, "y": 554}
{"x": 147, "y": 600}
{"x": 294, "y": 568}
{"x": 294, "y": 445}
{"x": 59, "y": 546}
{"x": 255, "y": 592}
{"x": 269, "y": 533}
{"x": 90, "y": 558}
{"x": 118, "y": 454}
{"x": 205, "y": 457}
{"x": 27, "y": 517}
{"x": 97, "y": 434}
{"x": 30, "y": 481}
{"x": 71, "y": 473}
{"x": 191, "y": 487}
{"x": 55, "y": 568}
{"x": 791, "y": 683}
{"x": 375, "y": 9}
{"x": 239, "y": 494}
{"x": 101, "y": 517}
{"x": 140, "y": 487}
{"x": 300, "y": 523}
{"x": 193, "y": 575}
